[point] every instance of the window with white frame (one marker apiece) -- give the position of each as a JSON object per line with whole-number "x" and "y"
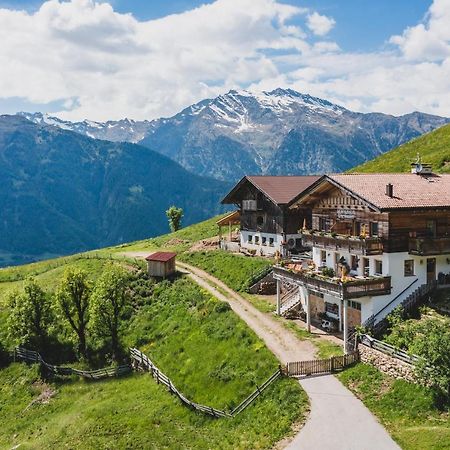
{"x": 250, "y": 238}
{"x": 256, "y": 240}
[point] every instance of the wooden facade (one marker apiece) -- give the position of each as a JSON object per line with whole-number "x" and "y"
{"x": 338, "y": 218}
{"x": 267, "y": 224}
{"x": 265, "y": 216}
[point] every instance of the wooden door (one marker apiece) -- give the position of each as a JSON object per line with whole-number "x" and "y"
{"x": 431, "y": 269}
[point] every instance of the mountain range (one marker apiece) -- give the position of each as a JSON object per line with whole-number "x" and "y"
{"x": 277, "y": 132}
{"x": 62, "y": 192}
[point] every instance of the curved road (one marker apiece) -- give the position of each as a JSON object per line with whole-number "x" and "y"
{"x": 337, "y": 419}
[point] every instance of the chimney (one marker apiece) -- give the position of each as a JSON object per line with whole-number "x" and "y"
{"x": 389, "y": 190}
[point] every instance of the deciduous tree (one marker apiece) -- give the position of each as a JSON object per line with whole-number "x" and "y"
{"x": 30, "y": 316}
{"x": 73, "y": 297}
{"x": 174, "y": 215}
{"x": 108, "y": 302}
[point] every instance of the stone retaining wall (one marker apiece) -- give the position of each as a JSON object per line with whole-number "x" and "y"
{"x": 386, "y": 364}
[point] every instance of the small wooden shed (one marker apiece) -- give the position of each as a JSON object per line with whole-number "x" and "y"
{"x": 161, "y": 264}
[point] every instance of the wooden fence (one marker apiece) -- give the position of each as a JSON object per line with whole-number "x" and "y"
{"x": 143, "y": 361}
{"x": 140, "y": 360}
{"x": 318, "y": 366}
{"x": 388, "y": 349}
{"x": 35, "y": 357}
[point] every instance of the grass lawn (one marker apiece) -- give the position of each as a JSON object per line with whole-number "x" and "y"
{"x": 405, "y": 409}
{"x": 210, "y": 354}
{"x": 234, "y": 270}
{"x": 131, "y": 412}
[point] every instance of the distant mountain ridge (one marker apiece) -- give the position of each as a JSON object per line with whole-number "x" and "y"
{"x": 277, "y": 132}
{"x": 63, "y": 192}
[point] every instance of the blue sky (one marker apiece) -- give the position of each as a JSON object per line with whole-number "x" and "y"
{"x": 86, "y": 60}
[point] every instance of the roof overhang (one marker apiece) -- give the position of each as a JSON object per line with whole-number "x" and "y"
{"x": 313, "y": 193}
{"x": 227, "y": 200}
{"x": 230, "y": 219}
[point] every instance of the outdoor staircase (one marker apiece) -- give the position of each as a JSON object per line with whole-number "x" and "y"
{"x": 378, "y": 322}
{"x": 290, "y": 300}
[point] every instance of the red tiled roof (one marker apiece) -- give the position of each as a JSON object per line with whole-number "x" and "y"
{"x": 280, "y": 189}
{"x": 409, "y": 190}
{"x": 161, "y": 256}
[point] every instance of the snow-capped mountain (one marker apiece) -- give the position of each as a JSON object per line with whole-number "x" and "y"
{"x": 124, "y": 130}
{"x": 277, "y": 132}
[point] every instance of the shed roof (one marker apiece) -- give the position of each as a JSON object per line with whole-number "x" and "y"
{"x": 161, "y": 256}
{"x": 280, "y": 189}
{"x": 231, "y": 218}
{"x": 410, "y": 191}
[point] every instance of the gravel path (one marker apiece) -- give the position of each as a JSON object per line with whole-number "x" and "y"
{"x": 338, "y": 419}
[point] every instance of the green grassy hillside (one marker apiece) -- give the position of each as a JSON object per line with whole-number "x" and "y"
{"x": 208, "y": 352}
{"x": 433, "y": 147}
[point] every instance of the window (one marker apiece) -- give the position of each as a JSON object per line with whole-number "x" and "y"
{"x": 271, "y": 242}
{"x": 354, "y": 305}
{"x": 354, "y": 262}
{"x": 264, "y": 240}
{"x": 374, "y": 228}
{"x": 409, "y": 267}
{"x": 366, "y": 267}
{"x": 324, "y": 224}
{"x": 378, "y": 267}
{"x": 256, "y": 240}
{"x": 260, "y": 221}
{"x": 250, "y": 238}
{"x": 332, "y": 308}
{"x": 249, "y": 205}
{"x": 323, "y": 258}
{"x": 431, "y": 228}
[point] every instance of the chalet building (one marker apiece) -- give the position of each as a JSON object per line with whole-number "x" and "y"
{"x": 375, "y": 239}
{"x": 267, "y": 223}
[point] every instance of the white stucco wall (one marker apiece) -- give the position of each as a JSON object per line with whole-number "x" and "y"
{"x": 266, "y": 250}
{"x": 393, "y": 266}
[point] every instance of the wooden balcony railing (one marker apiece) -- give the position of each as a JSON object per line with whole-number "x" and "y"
{"x": 345, "y": 290}
{"x": 364, "y": 246}
{"x": 425, "y": 246}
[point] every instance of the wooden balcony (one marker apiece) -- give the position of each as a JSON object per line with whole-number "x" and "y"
{"x": 354, "y": 245}
{"x": 427, "y": 246}
{"x": 364, "y": 287}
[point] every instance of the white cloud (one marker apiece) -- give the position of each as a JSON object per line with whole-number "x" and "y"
{"x": 429, "y": 41}
{"x": 320, "y": 25}
{"x": 103, "y": 65}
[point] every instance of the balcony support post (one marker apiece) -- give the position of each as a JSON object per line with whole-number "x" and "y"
{"x": 340, "y": 316}
{"x": 308, "y": 311}
{"x": 345, "y": 326}
{"x": 278, "y": 297}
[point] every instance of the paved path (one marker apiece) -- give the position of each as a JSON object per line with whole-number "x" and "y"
{"x": 338, "y": 419}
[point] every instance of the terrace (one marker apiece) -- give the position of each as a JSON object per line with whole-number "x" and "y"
{"x": 425, "y": 246}
{"x": 356, "y": 245}
{"x": 318, "y": 281}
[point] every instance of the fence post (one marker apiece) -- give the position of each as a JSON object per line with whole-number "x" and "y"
{"x": 332, "y": 364}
